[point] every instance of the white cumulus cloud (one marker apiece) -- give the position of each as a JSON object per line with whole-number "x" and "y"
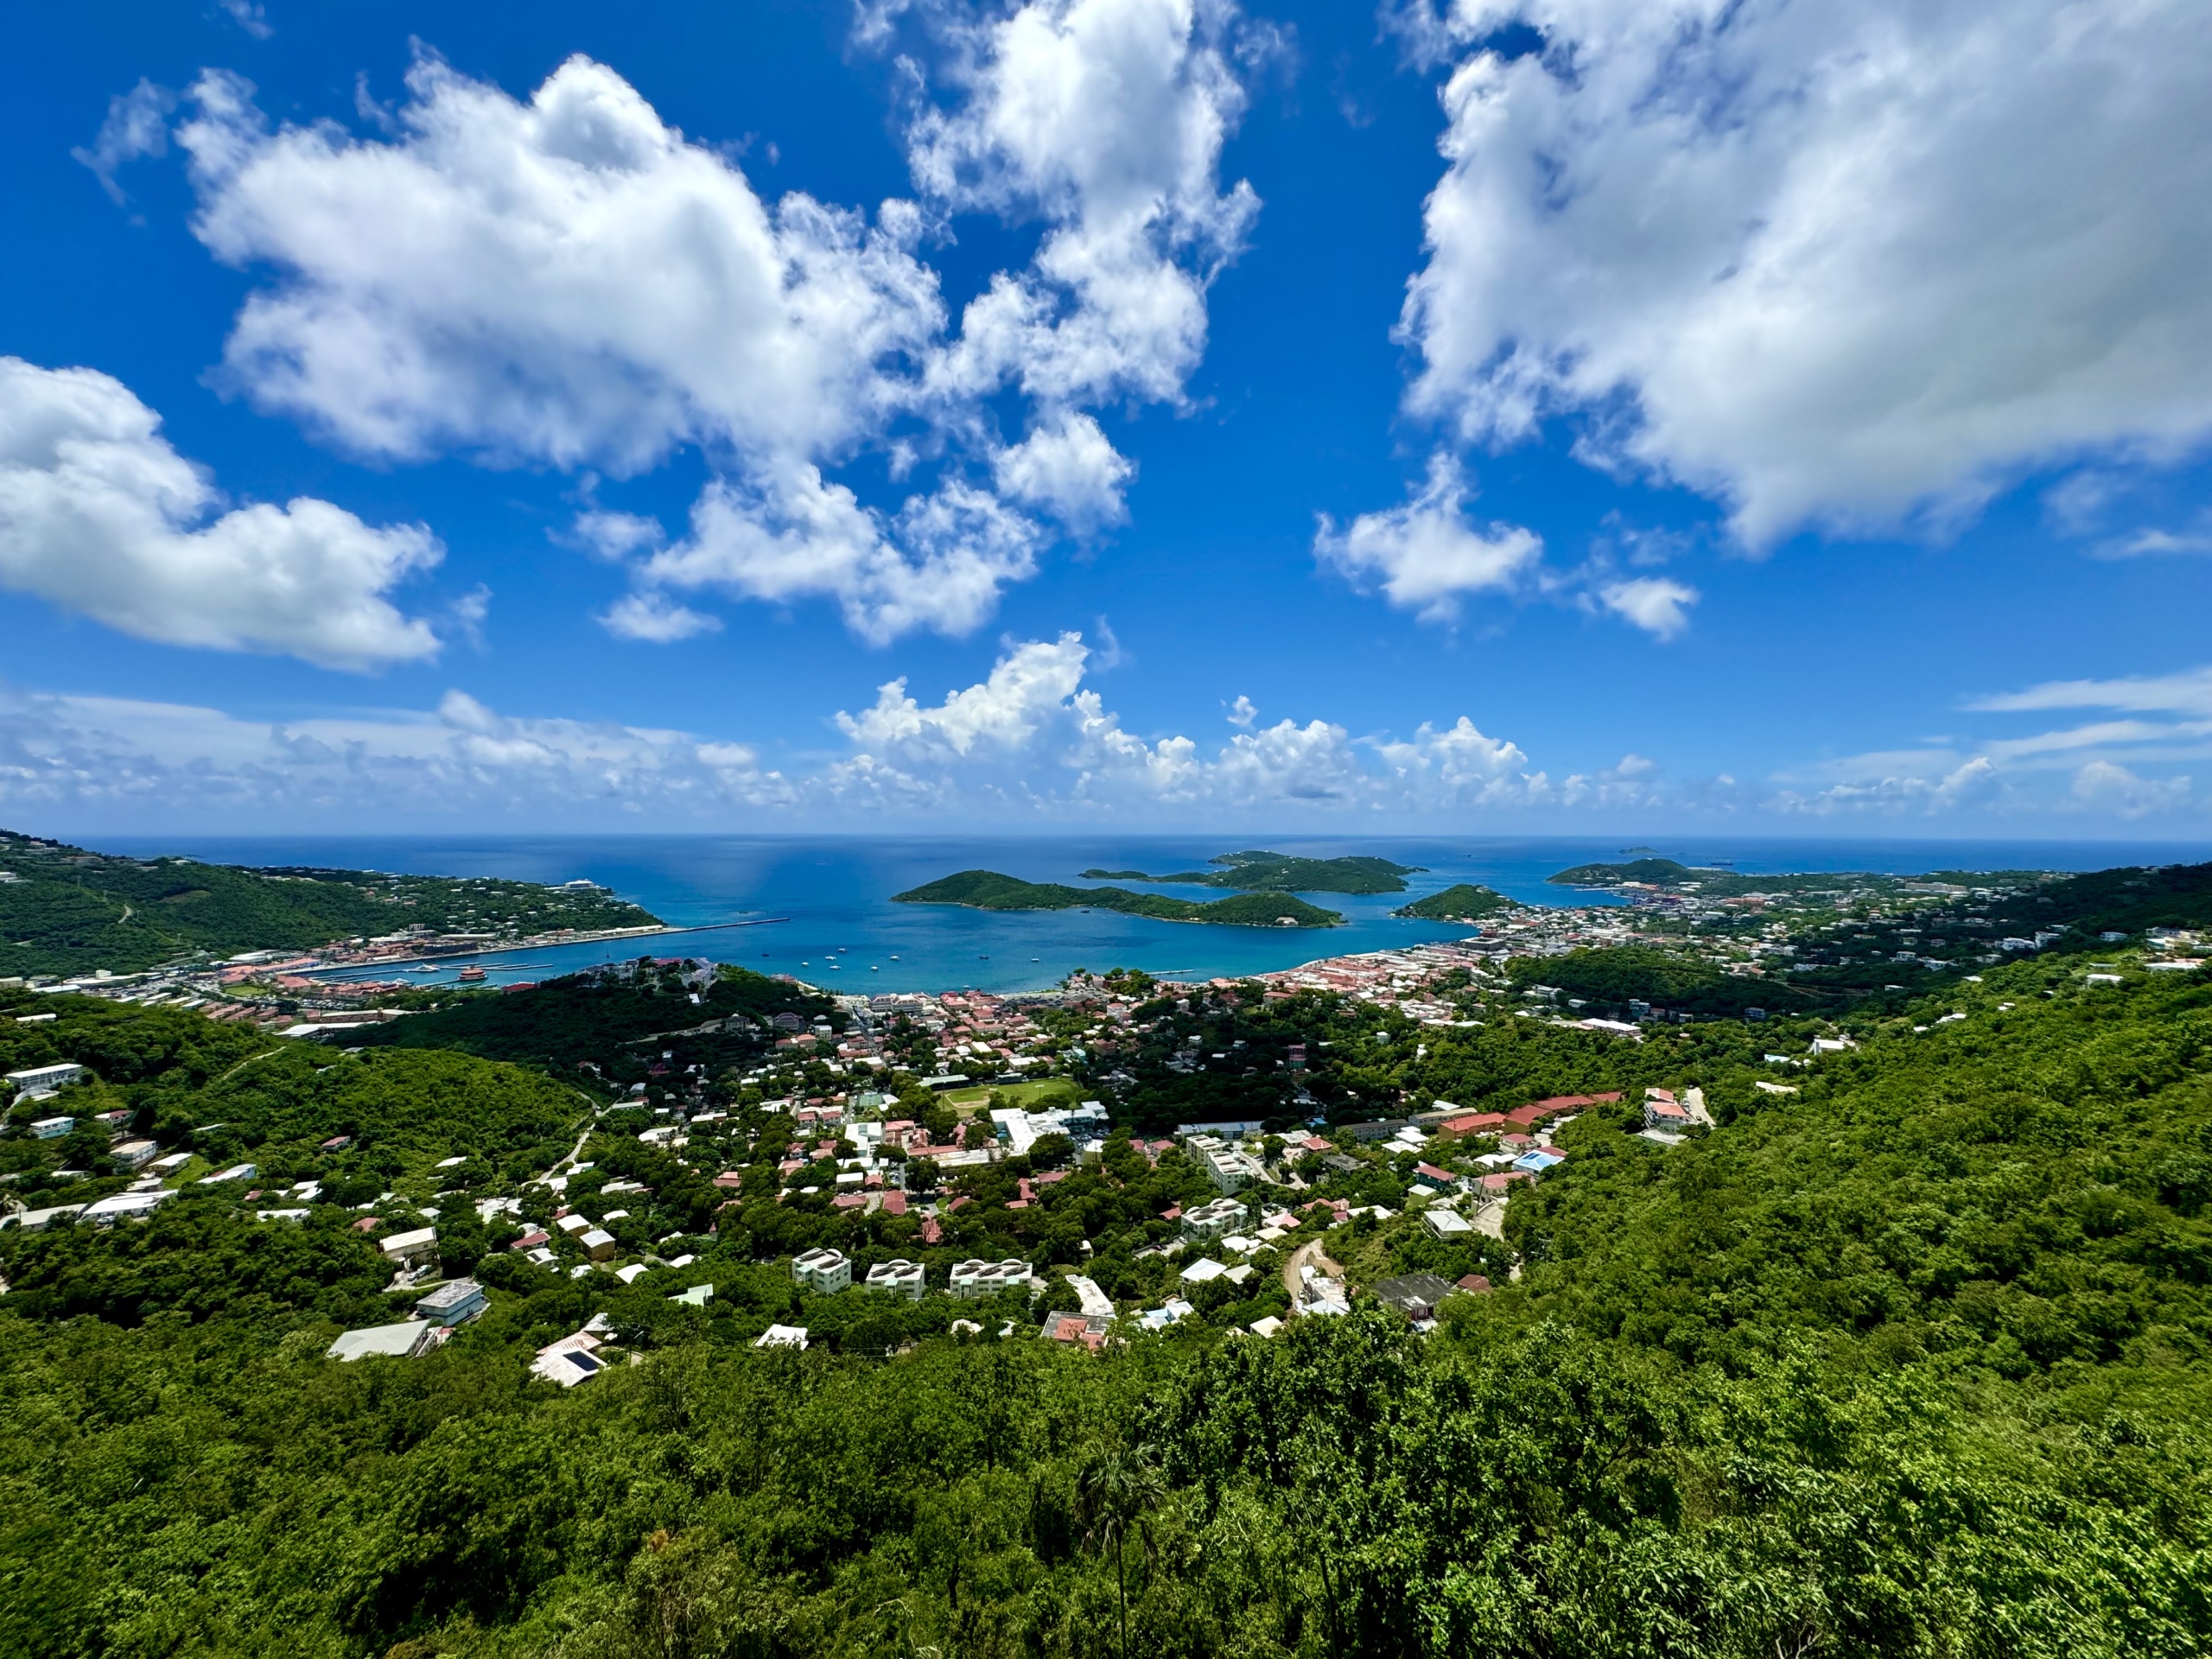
{"x": 1427, "y": 555}
{"x": 1657, "y": 605}
{"x": 100, "y": 515}
{"x": 1836, "y": 265}
{"x": 566, "y": 279}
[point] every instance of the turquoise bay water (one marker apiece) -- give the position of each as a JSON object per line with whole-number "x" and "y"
{"x": 819, "y": 906}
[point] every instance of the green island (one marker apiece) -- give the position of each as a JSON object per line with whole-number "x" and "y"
{"x": 1261, "y": 872}
{"x": 1464, "y": 902}
{"x": 64, "y": 910}
{"x": 1658, "y": 872}
{"x": 989, "y": 890}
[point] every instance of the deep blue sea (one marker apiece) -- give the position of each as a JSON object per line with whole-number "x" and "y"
{"x": 819, "y": 906}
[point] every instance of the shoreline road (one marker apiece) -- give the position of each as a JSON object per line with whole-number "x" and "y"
{"x": 1291, "y": 1279}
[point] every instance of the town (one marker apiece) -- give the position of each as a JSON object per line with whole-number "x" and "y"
{"x": 1114, "y": 1157}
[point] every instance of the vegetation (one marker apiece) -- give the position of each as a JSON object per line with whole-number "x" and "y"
{"x": 68, "y": 911}
{"x": 611, "y": 1029}
{"x": 1656, "y": 870}
{"x": 988, "y": 890}
{"x": 1463, "y": 902}
{"x": 1913, "y": 1359}
{"x": 1260, "y": 872}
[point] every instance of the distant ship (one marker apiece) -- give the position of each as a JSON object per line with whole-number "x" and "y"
{"x": 471, "y": 974}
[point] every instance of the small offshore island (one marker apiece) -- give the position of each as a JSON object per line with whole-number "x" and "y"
{"x": 1261, "y": 872}
{"x": 989, "y": 890}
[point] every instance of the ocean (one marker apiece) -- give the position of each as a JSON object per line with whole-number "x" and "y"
{"x": 819, "y": 906}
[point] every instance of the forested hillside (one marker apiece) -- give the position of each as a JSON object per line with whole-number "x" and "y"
{"x": 616, "y": 1023}
{"x": 1912, "y": 1360}
{"x": 64, "y": 910}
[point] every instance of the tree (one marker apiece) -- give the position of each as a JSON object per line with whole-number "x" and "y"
{"x": 1114, "y": 1492}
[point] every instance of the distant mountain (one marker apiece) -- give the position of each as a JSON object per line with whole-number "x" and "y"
{"x": 64, "y": 910}
{"x": 1463, "y": 903}
{"x": 1264, "y": 872}
{"x": 989, "y": 890}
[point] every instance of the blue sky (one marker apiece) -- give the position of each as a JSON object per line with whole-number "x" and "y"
{"x": 1580, "y": 415}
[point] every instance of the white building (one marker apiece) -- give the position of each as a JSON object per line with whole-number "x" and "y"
{"x": 1446, "y": 1224}
{"x": 37, "y": 1221}
{"x": 1212, "y": 1220}
{"x": 412, "y": 1250}
{"x": 1230, "y": 1169}
{"x": 37, "y": 1082}
{"x": 125, "y": 1206}
{"x": 897, "y": 1277}
{"x": 452, "y": 1303}
{"x": 782, "y": 1336}
{"x": 825, "y": 1272}
{"x": 403, "y": 1341}
{"x": 134, "y": 1155}
{"x": 977, "y": 1278}
{"x": 1097, "y": 1303}
{"x": 52, "y": 1128}
{"x": 570, "y": 1361}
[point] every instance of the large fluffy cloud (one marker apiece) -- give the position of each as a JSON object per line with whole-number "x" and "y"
{"x": 1834, "y": 264}
{"x": 566, "y": 279}
{"x": 99, "y": 514}
{"x": 1106, "y": 117}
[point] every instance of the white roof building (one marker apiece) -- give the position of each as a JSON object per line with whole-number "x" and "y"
{"x": 825, "y": 1272}
{"x": 408, "y": 1248}
{"x": 570, "y": 1361}
{"x": 898, "y": 1277}
{"x": 782, "y": 1336}
{"x": 125, "y": 1206}
{"x": 37, "y": 1082}
{"x": 977, "y": 1278}
{"x": 402, "y": 1341}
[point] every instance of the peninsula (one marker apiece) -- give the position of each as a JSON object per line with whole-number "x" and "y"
{"x": 1264, "y": 872}
{"x": 989, "y": 890}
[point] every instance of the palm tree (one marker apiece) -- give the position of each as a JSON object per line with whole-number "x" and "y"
{"x": 1114, "y": 1492}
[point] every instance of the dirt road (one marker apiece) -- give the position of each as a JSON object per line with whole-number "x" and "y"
{"x": 1294, "y": 1281}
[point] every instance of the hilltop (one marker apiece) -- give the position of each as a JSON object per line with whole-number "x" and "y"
{"x": 989, "y": 890}
{"x": 1463, "y": 903}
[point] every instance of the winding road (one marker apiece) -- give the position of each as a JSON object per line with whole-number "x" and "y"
{"x": 1293, "y": 1279}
